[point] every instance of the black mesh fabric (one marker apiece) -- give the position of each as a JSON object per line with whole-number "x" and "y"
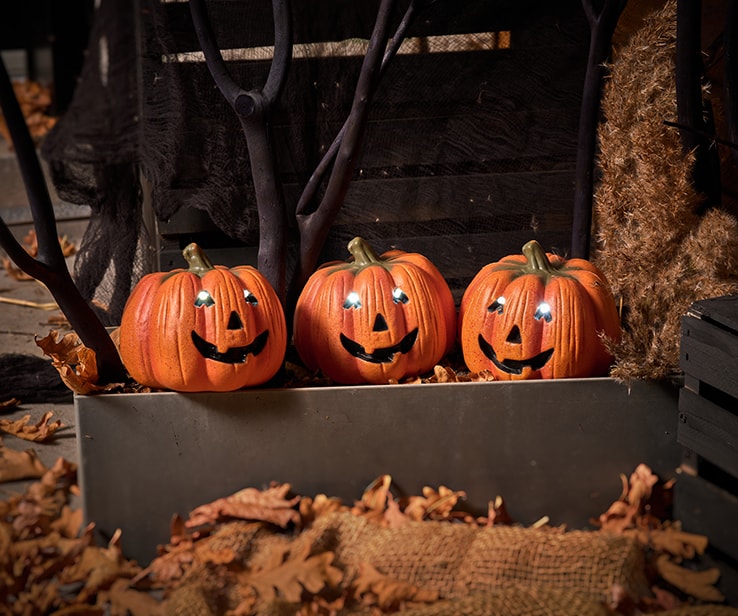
{"x": 475, "y": 144}
{"x": 92, "y": 154}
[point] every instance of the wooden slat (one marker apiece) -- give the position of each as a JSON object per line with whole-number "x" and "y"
{"x": 708, "y": 430}
{"x": 708, "y": 510}
{"x": 241, "y": 24}
{"x": 710, "y": 354}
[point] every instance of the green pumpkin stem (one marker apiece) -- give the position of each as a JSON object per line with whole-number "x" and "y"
{"x": 538, "y": 262}
{"x": 197, "y": 260}
{"x": 362, "y": 252}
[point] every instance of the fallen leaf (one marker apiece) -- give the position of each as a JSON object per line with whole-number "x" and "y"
{"x": 390, "y": 593}
{"x": 270, "y": 505}
{"x": 76, "y": 364}
{"x": 434, "y": 504}
{"x": 497, "y": 513}
{"x": 16, "y": 465}
{"x": 7, "y": 405}
{"x": 39, "y": 432}
{"x": 286, "y": 575}
{"x": 698, "y": 584}
{"x": 123, "y": 599}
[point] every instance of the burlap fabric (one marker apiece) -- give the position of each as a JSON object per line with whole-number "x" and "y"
{"x": 503, "y": 570}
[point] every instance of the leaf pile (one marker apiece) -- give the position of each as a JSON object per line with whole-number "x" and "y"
{"x": 639, "y": 513}
{"x": 48, "y": 562}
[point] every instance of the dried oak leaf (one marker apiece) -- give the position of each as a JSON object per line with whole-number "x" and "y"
{"x": 121, "y": 599}
{"x": 270, "y": 505}
{"x": 16, "y": 465}
{"x": 39, "y": 432}
{"x": 99, "y": 567}
{"x": 433, "y": 505}
{"x": 388, "y": 593}
{"x": 698, "y": 584}
{"x": 76, "y": 364}
{"x": 287, "y": 575}
{"x": 374, "y": 497}
{"x": 7, "y": 405}
{"x": 312, "y": 508}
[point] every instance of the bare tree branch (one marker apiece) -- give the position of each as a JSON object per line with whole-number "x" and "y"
{"x": 602, "y": 26}
{"x": 314, "y": 225}
{"x": 50, "y": 266}
{"x": 253, "y": 109}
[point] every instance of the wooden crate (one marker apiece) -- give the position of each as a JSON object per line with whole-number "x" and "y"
{"x": 706, "y": 496}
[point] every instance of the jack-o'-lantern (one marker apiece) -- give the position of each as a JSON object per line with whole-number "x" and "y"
{"x": 538, "y": 315}
{"x": 373, "y": 318}
{"x": 205, "y": 328}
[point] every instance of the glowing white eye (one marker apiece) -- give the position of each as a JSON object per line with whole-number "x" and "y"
{"x": 497, "y": 305}
{"x": 543, "y": 312}
{"x": 250, "y": 297}
{"x": 399, "y": 296}
{"x": 204, "y": 299}
{"x": 352, "y": 300}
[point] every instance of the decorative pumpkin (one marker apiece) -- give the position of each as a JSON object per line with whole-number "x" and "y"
{"x": 206, "y": 328}
{"x": 372, "y": 319}
{"x": 538, "y": 315}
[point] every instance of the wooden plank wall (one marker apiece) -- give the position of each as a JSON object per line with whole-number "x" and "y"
{"x": 467, "y": 154}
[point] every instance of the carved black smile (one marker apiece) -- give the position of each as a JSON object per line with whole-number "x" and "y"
{"x": 514, "y": 366}
{"x": 234, "y": 355}
{"x": 383, "y": 355}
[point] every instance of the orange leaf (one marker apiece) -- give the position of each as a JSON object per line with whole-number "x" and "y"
{"x": 250, "y": 504}
{"x": 76, "y": 364}
{"x": 286, "y": 575}
{"x": 16, "y": 465}
{"x": 39, "y": 432}
{"x": 389, "y": 593}
{"x": 698, "y": 584}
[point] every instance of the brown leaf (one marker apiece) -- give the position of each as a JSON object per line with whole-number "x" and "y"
{"x": 389, "y": 593}
{"x": 286, "y": 574}
{"x": 268, "y": 505}
{"x": 76, "y": 364}
{"x": 497, "y": 513}
{"x": 433, "y": 505}
{"x": 16, "y": 465}
{"x": 698, "y": 584}
{"x": 313, "y": 508}
{"x": 39, "y": 432}
{"x": 7, "y": 405}
{"x": 376, "y": 494}
{"x": 122, "y": 599}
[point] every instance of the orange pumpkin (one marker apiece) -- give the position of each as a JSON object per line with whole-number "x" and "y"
{"x": 538, "y": 315}
{"x": 206, "y": 328}
{"x": 373, "y": 319}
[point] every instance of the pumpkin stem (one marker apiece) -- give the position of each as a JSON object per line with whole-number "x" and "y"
{"x": 197, "y": 260}
{"x": 537, "y": 260}
{"x": 362, "y": 252}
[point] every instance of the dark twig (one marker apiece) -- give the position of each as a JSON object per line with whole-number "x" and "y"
{"x": 731, "y": 73}
{"x": 602, "y": 26}
{"x": 314, "y": 224}
{"x": 49, "y": 266}
{"x": 253, "y": 109}
{"x": 690, "y": 106}
{"x": 307, "y": 202}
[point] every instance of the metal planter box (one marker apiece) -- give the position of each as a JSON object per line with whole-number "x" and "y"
{"x": 551, "y": 448}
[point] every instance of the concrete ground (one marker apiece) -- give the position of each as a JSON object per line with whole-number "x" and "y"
{"x": 19, "y": 324}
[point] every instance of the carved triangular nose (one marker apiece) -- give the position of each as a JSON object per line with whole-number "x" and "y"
{"x": 514, "y": 336}
{"x": 234, "y": 322}
{"x": 380, "y": 325}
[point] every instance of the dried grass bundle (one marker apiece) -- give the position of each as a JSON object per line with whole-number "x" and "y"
{"x": 658, "y": 252}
